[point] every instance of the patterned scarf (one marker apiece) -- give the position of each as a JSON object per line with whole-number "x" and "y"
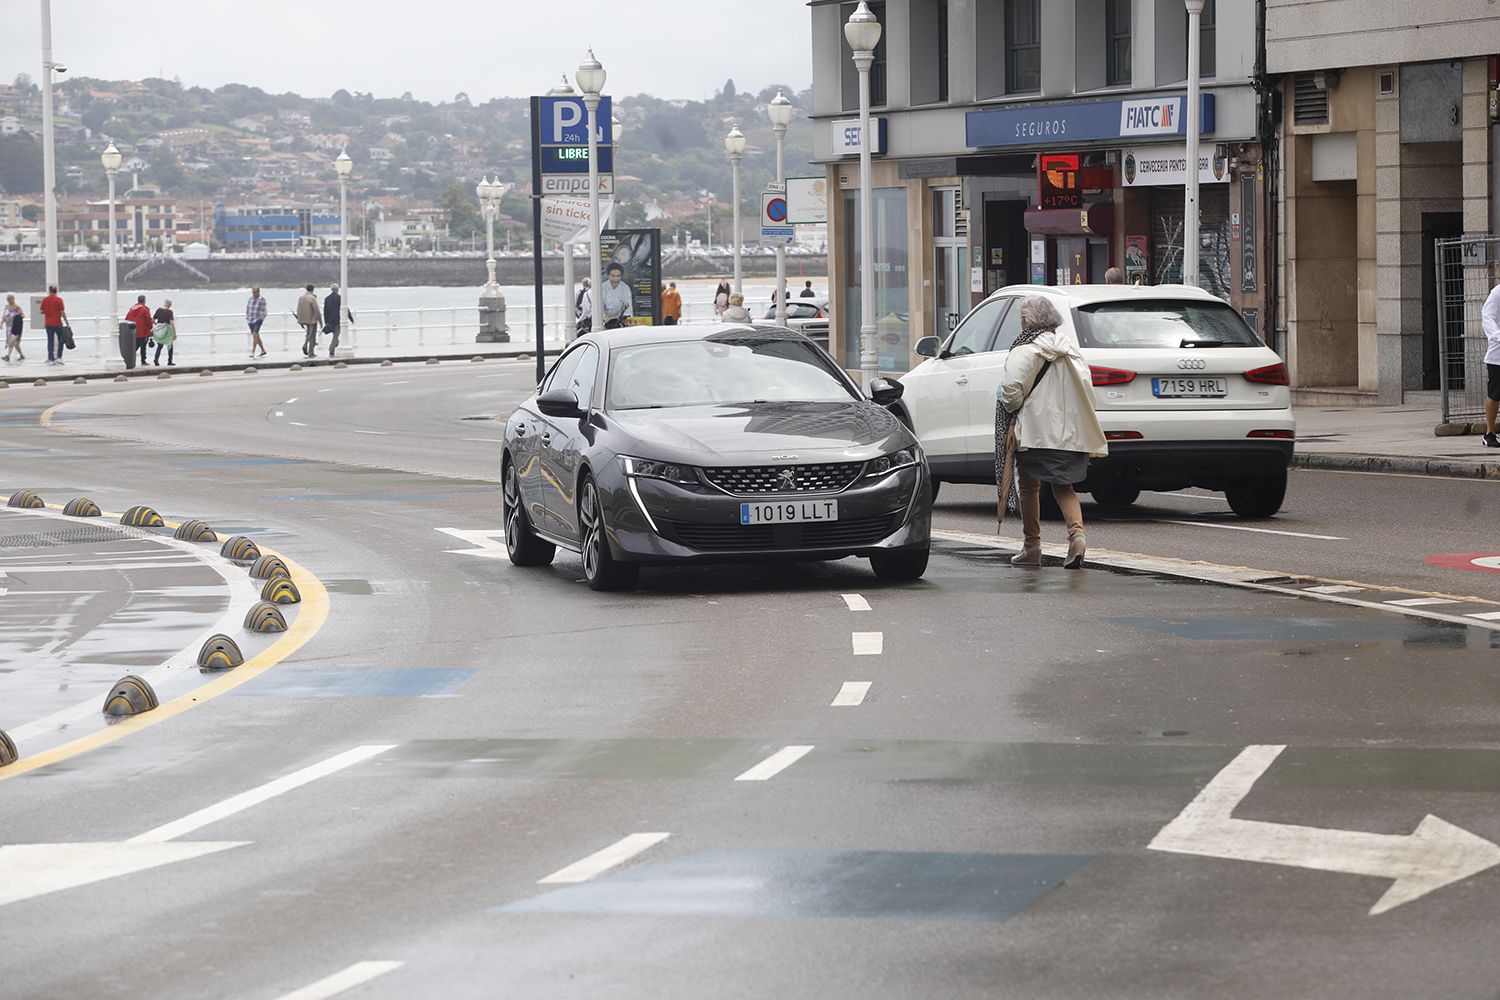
{"x": 1007, "y": 474}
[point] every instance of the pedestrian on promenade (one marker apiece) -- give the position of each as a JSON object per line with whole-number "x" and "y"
{"x": 140, "y": 315}
{"x": 1045, "y": 429}
{"x": 10, "y": 321}
{"x": 255, "y": 315}
{"x": 721, "y": 298}
{"x": 164, "y": 332}
{"x": 1490, "y": 320}
{"x": 583, "y": 309}
{"x": 671, "y": 305}
{"x": 1114, "y": 276}
{"x": 736, "y": 313}
{"x": 55, "y": 319}
{"x": 807, "y": 291}
{"x": 333, "y": 316}
{"x": 616, "y": 298}
{"x": 307, "y": 316}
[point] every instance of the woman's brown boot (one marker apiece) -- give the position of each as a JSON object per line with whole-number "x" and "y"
{"x": 1077, "y": 546}
{"x": 1030, "y": 555}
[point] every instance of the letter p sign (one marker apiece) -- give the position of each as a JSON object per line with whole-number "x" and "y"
{"x": 565, "y": 115}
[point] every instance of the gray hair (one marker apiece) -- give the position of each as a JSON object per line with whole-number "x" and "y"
{"x": 1038, "y": 315}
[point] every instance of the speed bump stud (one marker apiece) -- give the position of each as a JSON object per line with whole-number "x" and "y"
{"x": 476, "y": 358}
{"x": 341, "y": 364}
{"x": 265, "y": 617}
{"x": 80, "y": 380}
{"x": 163, "y": 375}
{"x": 386, "y": 363}
{"x": 240, "y": 549}
{"x": 220, "y": 652}
{"x": 130, "y": 696}
{"x": 25, "y": 498}
{"x": 295, "y": 368}
{"x": 40, "y": 381}
{"x": 122, "y": 378}
{"x": 268, "y": 568}
{"x": 141, "y": 517}
{"x": 206, "y": 371}
{"x": 195, "y": 531}
{"x": 432, "y": 361}
{"x": 8, "y": 752}
{"x": 82, "y": 507}
{"x": 280, "y": 590}
{"x": 249, "y": 371}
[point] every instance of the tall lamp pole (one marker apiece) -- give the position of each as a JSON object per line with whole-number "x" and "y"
{"x": 780, "y": 112}
{"x": 49, "y": 153}
{"x": 111, "y": 159}
{"x": 1190, "y": 220}
{"x": 591, "y": 77}
{"x": 862, "y": 32}
{"x": 569, "y": 310}
{"x": 489, "y": 207}
{"x": 734, "y": 145}
{"x": 342, "y": 166}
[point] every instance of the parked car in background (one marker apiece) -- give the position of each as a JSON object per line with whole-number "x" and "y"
{"x": 1187, "y": 394}
{"x": 808, "y": 317}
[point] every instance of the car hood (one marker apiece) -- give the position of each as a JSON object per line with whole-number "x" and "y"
{"x": 753, "y": 433}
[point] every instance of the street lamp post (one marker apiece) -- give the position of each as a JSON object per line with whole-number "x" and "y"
{"x": 342, "y": 166}
{"x": 49, "y": 152}
{"x": 1190, "y": 194}
{"x": 492, "y": 328}
{"x": 780, "y": 112}
{"x": 111, "y": 159}
{"x": 734, "y": 145}
{"x": 862, "y": 32}
{"x": 591, "y": 77}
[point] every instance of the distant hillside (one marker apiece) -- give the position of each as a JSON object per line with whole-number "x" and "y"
{"x": 239, "y": 144}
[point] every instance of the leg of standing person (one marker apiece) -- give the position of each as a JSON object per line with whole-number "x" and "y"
{"x": 156, "y": 358}
{"x": 172, "y": 347}
{"x": 333, "y": 344}
{"x": 54, "y": 335}
{"x": 142, "y": 345}
{"x": 1031, "y": 523}
{"x": 1491, "y": 406}
{"x": 1072, "y": 512}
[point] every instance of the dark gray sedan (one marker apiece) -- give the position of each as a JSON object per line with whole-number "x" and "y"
{"x": 710, "y": 443}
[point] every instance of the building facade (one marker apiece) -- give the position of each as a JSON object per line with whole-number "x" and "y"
{"x": 1036, "y": 141}
{"x": 274, "y": 227}
{"x": 1388, "y": 142}
{"x": 141, "y": 220}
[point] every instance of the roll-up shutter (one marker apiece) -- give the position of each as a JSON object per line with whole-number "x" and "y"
{"x": 1166, "y": 237}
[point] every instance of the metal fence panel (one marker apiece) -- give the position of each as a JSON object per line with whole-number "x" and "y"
{"x": 1466, "y": 268}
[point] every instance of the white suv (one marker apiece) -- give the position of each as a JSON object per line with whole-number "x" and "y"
{"x": 1187, "y": 395}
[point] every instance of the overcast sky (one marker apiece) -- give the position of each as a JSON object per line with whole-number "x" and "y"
{"x": 433, "y": 48}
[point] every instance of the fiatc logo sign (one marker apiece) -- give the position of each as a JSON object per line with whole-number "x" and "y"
{"x": 1158, "y": 116}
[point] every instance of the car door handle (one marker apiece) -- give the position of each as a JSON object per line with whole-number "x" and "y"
{"x": 962, "y": 380}
{"x": 520, "y": 430}
{"x": 546, "y": 439}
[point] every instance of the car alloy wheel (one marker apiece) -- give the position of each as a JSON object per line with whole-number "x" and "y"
{"x": 521, "y": 543}
{"x": 600, "y": 569}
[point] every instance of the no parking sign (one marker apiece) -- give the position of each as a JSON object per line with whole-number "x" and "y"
{"x": 774, "y": 230}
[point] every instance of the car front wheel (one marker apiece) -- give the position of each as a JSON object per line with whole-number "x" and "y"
{"x": 900, "y": 567}
{"x": 1254, "y": 498}
{"x": 601, "y": 570}
{"x": 521, "y": 543}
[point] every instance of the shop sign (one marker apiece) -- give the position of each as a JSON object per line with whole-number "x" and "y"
{"x": 807, "y": 200}
{"x": 846, "y": 137}
{"x": 1057, "y": 181}
{"x": 1163, "y": 166}
{"x": 1081, "y": 121}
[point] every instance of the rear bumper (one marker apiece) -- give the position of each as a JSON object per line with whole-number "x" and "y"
{"x": 1174, "y": 465}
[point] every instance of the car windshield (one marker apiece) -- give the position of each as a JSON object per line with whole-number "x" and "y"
{"x": 722, "y": 370}
{"x": 1162, "y": 323}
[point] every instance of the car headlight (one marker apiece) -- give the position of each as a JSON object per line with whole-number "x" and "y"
{"x": 645, "y": 468}
{"x": 886, "y": 464}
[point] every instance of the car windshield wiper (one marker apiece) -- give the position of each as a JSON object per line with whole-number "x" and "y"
{"x": 645, "y": 406}
{"x": 1201, "y": 343}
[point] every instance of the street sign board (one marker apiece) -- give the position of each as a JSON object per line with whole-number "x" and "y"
{"x": 563, "y": 121}
{"x": 772, "y": 209}
{"x": 575, "y": 160}
{"x": 807, "y": 201}
{"x": 777, "y": 236}
{"x": 574, "y": 184}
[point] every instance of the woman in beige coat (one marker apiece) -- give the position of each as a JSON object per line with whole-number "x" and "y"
{"x": 1053, "y": 431}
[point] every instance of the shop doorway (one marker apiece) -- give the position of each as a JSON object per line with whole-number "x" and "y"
{"x": 1438, "y": 226}
{"x": 949, "y": 289}
{"x": 1007, "y": 252}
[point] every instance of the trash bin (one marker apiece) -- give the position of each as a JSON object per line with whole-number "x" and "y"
{"x": 127, "y": 344}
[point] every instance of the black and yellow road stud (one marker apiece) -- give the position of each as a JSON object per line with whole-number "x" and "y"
{"x": 141, "y": 517}
{"x": 130, "y": 696}
{"x": 240, "y": 549}
{"x": 280, "y": 590}
{"x": 265, "y": 617}
{"x": 195, "y": 531}
{"x": 269, "y": 567}
{"x": 26, "y": 499}
{"x": 82, "y": 507}
{"x": 220, "y": 652}
{"x": 8, "y": 752}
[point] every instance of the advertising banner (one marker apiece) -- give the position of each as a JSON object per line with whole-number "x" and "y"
{"x": 807, "y": 201}
{"x": 566, "y": 220}
{"x": 1162, "y": 166}
{"x": 637, "y": 254}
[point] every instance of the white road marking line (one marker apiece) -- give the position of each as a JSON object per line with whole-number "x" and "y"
{"x": 775, "y": 764}
{"x": 851, "y": 694}
{"x": 243, "y": 801}
{"x": 31, "y": 870}
{"x": 1241, "y": 527}
{"x": 291, "y": 401}
{"x": 341, "y": 982}
{"x": 297, "y": 423}
{"x": 617, "y": 853}
{"x": 1334, "y": 588}
{"x": 327, "y": 390}
{"x": 379, "y": 433}
{"x": 1486, "y": 616}
{"x": 856, "y": 602}
{"x": 868, "y": 643}
{"x": 279, "y": 413}
{"x": 494, "y": 376}
{"x": 397, "y": 382}
{"x": 1420, "y": 602}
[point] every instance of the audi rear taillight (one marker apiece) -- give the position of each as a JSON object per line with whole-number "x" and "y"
{"x": 1110, "y": 376}
{"x": 1269, "y": 375}
{"x": 1283, "y": 435}
{"x": 1124, "y": 436}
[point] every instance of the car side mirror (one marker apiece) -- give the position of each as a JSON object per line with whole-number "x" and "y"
{"x": 927, "y": 347}
{"x": 884, "y": 391}
{"x": 559, "y": 403}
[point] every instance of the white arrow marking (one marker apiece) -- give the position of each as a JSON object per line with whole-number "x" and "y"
{"x": 487, "y": 544}
{"x": 1436, "y": 854}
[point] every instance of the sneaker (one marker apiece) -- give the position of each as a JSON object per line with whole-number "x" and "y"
{"x": 1490, "y": 441}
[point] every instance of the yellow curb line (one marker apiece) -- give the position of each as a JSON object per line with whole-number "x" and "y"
{"x": 311, "y": 616}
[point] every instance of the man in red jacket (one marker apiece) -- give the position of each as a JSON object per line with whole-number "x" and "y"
{"x": 140, "y": 315}
{"x": 54, "y": 317}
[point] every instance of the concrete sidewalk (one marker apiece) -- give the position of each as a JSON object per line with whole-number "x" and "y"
{"x": 1388, "y": 439}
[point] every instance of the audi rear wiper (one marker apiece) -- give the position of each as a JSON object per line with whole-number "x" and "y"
{"x": 1201, "y": 343}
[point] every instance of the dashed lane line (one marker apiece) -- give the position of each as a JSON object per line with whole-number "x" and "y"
{"x": 775, "y": 764}
{"x": 297, "y": 423}
{"x": 612, "y": 856}
{"x": 856, "y": 603}
{"x": 868, "y": 643}
{"x": 358, "y": 430}
{"x": 1243, "y": 527}
{"x": 1421, "y": 602}
{"x": 402, "y": 381}
{"x": 1334, "y": 588}
{"x": 851, "y": 694}
{"x": 343, "y": 981}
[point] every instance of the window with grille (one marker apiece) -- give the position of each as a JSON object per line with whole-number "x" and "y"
{"x": 1023, "y": 43}
{"x": 1117, "y": 42}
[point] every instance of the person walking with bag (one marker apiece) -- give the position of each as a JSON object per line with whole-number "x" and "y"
{"x": 1045, "y": 429}
{"x": 11, "y": 321}
{"x": 140, "y": 315}
{"x": 307, "y": 318}
{"x": 55, "y": 319}
{"x": 333, "y": 316}
{"x": 164, "y": 332}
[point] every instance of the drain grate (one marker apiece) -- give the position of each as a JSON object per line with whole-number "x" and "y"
{"x": 69, "y": 536}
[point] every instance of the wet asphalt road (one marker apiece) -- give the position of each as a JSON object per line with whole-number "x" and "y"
{"x": 977, "y": 826}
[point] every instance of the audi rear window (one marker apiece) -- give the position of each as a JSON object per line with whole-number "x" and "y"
{"x": 1162, "y": 323}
